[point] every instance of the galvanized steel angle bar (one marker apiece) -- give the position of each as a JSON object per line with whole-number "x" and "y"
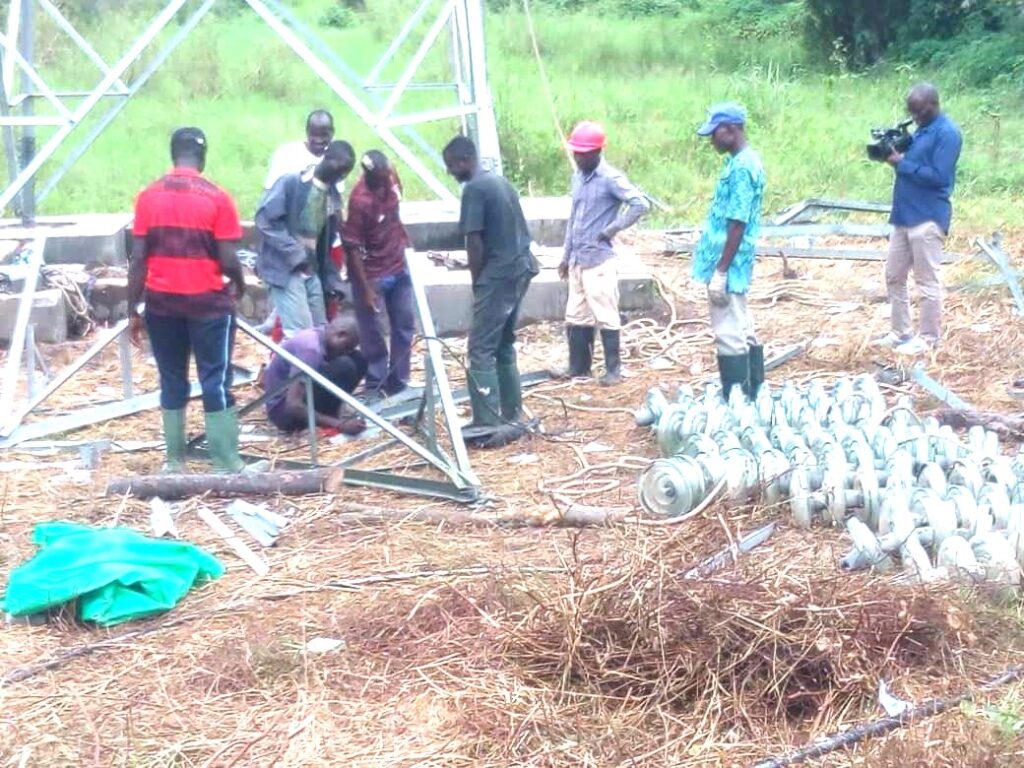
{"x": 62, "y": 378}
{"x": 83, "y": 109}
{"x": 359, "y": 407}
{"x": 15, "y": 353}
{"x": 436, "y": 361}
{"x": 152, "y": 66}
{"x": 413, "y": 485}
{"x": 332, "y": 81}
{"x": 993, "y": 252}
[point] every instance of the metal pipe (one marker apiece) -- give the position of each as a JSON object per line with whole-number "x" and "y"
{"x": 311, "y": 420}
{"x": 151, "y": 68}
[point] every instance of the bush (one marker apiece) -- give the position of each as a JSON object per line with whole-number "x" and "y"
{"x": 983, "y": 36}
{"x": 339, "y": 16}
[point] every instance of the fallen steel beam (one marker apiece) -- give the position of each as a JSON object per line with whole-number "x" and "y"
{"x": 932, "y": 387}
{"x": 411, "y": 408}
{"x": 794, "y": 213}
{"x": 97, "y": 346}
{"x": 788, "y": 252}
{"x": 173, "y": 487}
{"x": 415, "y": 485}
{"x": 98, "y": 414}
{"x": 994, "y": 252}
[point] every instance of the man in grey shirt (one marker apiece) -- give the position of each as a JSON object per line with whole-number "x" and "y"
{"x": 501, "y": 266}
{"x": 598, "y": 194}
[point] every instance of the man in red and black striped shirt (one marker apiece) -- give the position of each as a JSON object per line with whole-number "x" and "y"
{"x": 185, "y": 234}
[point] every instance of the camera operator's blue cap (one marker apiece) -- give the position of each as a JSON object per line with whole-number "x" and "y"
{"x": 726, "y": 113}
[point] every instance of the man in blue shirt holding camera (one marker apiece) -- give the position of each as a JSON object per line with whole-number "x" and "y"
{"x": 921, "y": 213}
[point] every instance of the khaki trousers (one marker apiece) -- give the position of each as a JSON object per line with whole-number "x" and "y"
{"x": 733, "y": 326}
{"x": 918, "y": 248}
{"x": 594, "y": 297}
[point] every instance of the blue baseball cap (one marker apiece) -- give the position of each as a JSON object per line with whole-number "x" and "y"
{"x": 727, "y": 113}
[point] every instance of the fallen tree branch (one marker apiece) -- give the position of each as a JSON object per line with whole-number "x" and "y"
{"x": 886, "y": 724}
{"x": 171, "y": 487}
{"x": 1003, "y": 424}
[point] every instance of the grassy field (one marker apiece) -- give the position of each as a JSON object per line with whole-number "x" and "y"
{"x": 649, "y": 80}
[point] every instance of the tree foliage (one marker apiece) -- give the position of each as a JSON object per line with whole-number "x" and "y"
{"x": 860, "y": 32}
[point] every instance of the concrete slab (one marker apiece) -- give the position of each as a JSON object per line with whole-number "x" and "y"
{"x": 434, "y": 225}
{"x": 92, "y": 238}
{"x": 49, "y": 316}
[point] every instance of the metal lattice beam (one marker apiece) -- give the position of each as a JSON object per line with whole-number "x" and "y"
{"x": 374, "y": 102}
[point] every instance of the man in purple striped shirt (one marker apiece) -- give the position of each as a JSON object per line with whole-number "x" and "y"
{"x": 599, "y": 192}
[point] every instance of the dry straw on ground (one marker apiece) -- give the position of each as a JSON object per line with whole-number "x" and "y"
{"x": 501, "y": 645}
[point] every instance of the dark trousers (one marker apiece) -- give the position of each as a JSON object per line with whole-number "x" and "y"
{"x": 492, "y": 336}
{"x": 345, "y": 372}
{"x": 387, "y": 371}
{"x": 210, "y": 341}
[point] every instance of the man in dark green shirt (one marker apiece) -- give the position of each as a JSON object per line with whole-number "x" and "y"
{"x": 502, "y": 266}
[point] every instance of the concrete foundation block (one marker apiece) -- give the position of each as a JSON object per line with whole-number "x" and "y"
{"x": 49, "y": 316}
{"x": 97, "y": 238}
{"x": 434, "y": 225}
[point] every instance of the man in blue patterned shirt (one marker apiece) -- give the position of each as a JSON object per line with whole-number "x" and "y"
{"x": 724, "y": 258}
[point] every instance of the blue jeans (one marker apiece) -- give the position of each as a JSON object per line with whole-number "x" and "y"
{"x": 387, "y": 371}
{"x": 300, "y": 304}
{"x": 210, "y": 341}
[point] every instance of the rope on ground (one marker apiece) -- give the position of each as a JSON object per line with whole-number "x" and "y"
{"x": 81, "y": 321}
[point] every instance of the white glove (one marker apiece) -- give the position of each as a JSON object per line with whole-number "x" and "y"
{"x": 716, "y": 289}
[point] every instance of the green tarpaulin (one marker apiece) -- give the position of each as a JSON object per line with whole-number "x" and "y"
{"x": 116, "y": 574}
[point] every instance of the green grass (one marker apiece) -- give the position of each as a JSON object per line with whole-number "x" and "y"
{"x": 648, "y": 80}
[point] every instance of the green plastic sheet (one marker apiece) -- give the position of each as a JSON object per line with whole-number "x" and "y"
{"x": 115, "y": 574}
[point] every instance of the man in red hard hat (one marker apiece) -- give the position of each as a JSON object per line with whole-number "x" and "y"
{"x": 599, "y": 193}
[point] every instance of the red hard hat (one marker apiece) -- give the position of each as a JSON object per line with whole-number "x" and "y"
{"x": 586, "y": 137}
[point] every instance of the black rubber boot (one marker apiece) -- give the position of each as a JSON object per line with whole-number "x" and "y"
{"x": 756, "y": 369}
{"x": 734, "y": 370}
{"x": 581, "y": 351}
{"x": 612, "y": 359}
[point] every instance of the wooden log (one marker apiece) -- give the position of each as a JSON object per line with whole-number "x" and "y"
{"x": 171, "y": 487}
{"x": 1000, "y": 423}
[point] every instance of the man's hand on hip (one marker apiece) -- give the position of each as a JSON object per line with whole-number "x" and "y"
{"x": 717, "y": 294}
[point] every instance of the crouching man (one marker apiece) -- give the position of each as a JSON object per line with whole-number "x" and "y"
{"x": 331, "y": 351}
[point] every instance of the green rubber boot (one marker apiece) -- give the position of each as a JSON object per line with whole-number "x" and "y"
{"x": 484, "y": 398}
{"x": 175, "y": 441}
{"x": 756, "y": 369}
{"x": 222, "y": 439}
{"x": 735, "y": 372}
{"x": 510, "y": 391}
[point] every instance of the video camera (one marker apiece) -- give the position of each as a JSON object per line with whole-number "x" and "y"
{"x": 889, "y": 140}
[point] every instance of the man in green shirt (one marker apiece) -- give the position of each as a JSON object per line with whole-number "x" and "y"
{"x": 501, "y": 266}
